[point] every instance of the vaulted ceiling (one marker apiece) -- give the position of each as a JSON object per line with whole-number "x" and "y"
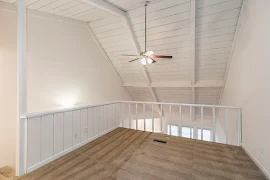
{"x": 199, "y": 34}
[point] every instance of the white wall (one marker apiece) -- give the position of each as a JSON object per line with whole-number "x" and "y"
{"x": 248, "y": 82}
{"x": 64, "y": 66}
{"x": 8, "y": 85}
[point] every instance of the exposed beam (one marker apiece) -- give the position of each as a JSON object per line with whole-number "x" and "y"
{"x": 143, "y": 68}
{"x": 192, "y": 53}
{"x": 101, "y": 4}
{"x": 119, "y": 12}
{"x": 181, "y": 84}
{"x": 192, "y": 41}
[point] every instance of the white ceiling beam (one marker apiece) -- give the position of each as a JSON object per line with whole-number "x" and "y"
{"x": 119, "y": 12}
{"x": 192, "y": 40}
{"x": 143, "y": 68}
{"x": 209, "y": 83}
{"x": 101, "y": 4}
{"x": 193, "y": 52}
{"x": 179, "y": 84}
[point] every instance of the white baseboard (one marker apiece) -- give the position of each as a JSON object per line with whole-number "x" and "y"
{"x": 264, "y": 171}
{"x": 56, "y": 156}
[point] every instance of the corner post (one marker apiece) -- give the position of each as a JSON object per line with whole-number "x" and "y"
{"x": 21, "y": 90}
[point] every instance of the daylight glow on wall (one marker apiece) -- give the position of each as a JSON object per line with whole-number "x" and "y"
{"x": 67, "y": 100}
{"x": 67, "y": 104}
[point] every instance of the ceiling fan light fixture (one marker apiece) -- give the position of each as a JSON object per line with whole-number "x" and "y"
{"x": 149, "y": 53}
{"x": 147, "y": 57}
{"x": 143, "y": 61}
{"x": 149, "y": 61}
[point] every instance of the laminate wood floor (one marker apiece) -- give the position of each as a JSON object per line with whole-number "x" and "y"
{"x": 133, "y": 155}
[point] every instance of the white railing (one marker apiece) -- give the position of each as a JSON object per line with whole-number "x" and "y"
{"x": 50, "y": 135}
{"x": 215, "y": 110}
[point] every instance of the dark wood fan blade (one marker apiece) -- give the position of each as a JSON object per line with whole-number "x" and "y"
{"x": 154, "y": 61}
{"x": 134, "y": 60}
{"x": 129, "y": 55}
{"x": 160, "y": 56}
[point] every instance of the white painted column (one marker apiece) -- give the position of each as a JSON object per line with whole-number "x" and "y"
{"x": 21, "y": 91}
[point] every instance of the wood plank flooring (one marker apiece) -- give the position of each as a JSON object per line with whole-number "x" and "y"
{"x": 127, "y": 154}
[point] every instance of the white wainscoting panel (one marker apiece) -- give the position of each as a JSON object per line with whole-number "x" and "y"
{"x": 84, "y": 125}
{"x": 55, "y": 134}
{"x": 67, "y": 130}
{"x": 58, "y": 132}
{"x": 96, "y": 123}
{"x": 91, "y": 118}
{"x": 76, "y": 120}
{"x": 47, "y": 136}
{"x": 101, "y": 120}
{"x": 34, "y": 141}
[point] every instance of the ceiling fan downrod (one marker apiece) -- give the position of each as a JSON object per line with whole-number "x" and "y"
{"x": 145, "y": 3}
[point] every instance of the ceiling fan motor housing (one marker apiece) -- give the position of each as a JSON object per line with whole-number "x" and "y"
{"x": 145, "y": 3}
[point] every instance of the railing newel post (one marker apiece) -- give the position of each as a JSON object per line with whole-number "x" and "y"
{"x": 26, "y": 146}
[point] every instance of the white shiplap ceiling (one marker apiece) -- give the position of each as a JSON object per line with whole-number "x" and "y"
{"x": 169, "y": 32}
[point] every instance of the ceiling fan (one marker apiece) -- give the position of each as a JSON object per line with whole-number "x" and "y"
{"x": 147, "y": 57}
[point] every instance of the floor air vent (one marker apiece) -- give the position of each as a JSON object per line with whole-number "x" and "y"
{"x": 160, "y": 141}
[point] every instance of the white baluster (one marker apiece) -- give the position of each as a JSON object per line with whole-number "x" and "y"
{"x": 170, "y": 129}
{"x": 161, "y": 107}
{"x": 153, "y": 121}
{"x": 214, "y": 125}
{"x": 136, "y": 116}
{"x": 190, "y": 116}
{"x": 123, "y": 116}
{"x": 201, "y": 123}
{"x": 226, "y": 121}
{"x": 180, "y": 121}
{"x": 129, "y": 115}
{"x": 239, "y": 128}
{"x": 144, "y": 126}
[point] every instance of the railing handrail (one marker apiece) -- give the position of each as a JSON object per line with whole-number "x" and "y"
{"x": 36, "y": 114}
{"x": 180, "y": 104}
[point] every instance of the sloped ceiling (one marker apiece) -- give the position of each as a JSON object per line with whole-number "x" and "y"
{"x": 192, "y": 76}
